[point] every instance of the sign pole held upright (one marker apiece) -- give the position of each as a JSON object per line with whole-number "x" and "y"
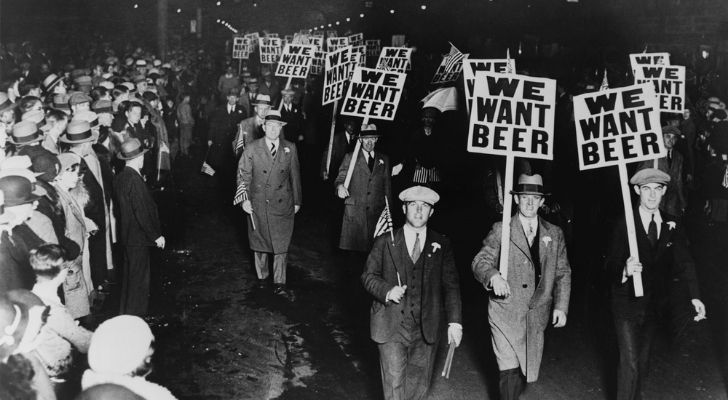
{"x": 357, "y": 147}
{"x": 331, "y": 138}
{"x": 631, "y": 232}
{"x": 507, "y": 210}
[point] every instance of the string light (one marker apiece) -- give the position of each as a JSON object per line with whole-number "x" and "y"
{"x": 361, "y": 15}
{"x": 348, "y": 19}
{"x": 179, "y": 10}
{"x": 423, "y": 7}
{"x": 391, "y": 11}
{"x": 337, "y": 22}
{"x": 136, "y": 5}
{"x": 218, "y": 3}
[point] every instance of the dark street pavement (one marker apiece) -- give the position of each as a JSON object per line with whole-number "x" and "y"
{"x": 221, "y": 337}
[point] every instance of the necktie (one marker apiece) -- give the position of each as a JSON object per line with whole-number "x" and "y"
{"x": 669, "y": 158}
{"x": 531, "y": 233}
{"x": 652, "y": 231}
{"x": 416, "y": 249}
{"x": 273, "y": 150}
{"x": 370, "y": 162}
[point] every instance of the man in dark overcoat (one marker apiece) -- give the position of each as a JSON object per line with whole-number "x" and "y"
{"x": 667, "y": 271}
{"x": 364, "y": 199}
{"x": 140, "y": 228}
{"x": 415, "y": 286}
{"x": 269, "y": 180}
{"x": 538, "y": 280}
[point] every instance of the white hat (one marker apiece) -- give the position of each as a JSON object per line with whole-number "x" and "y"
{"x": 119, "y": 345}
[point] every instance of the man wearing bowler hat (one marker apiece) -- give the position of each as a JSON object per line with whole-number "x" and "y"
{"x": 364, "y": 200}
{"x": 415, "y": 286}
{"x": 668, "y": 279}
{"x": 252, "y": 128}
{"x": 269, "y": 182}
{"x": 535, "y": 292}
{"x": 140, "y": 228}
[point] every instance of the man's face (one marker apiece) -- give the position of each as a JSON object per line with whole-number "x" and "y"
{"x": 105, "y": 119}
{"x": 417, "y": 213}
{"x": 35, "y": 92}
{"x": 368, "y": 143}
{"x": 134, "y": 115}
{"x": 686, "y": 114}
{"x": 57, "y": 126}
{"x": 232, "y": 100}
{"x": 428, "y": 119}
{"x": 262, "y": 110}
{"x": 60, "y": 88}
{"x": 272, "y": 130}
{"x": 86, "y": 106}
{"x": 287, "y": 99}
{"x": 349, "y": 127}
{"x": 141, "y": 87}
{"x": 37, "y": 106}
{"x": 650, "y": 195}
{"x": 253, "y": 88}
{"x": 7, "y": 117}
{"x": 528, "y": 204}
{"x": 669, "y": 140}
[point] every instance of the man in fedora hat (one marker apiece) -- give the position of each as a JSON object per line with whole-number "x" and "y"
{"x": 248, "y": 95}
{"x": 292, "y": 115}
{"x": 416, "y": 289}
{"x": 668, "y": 276}
{"x": 139, "y": 228}
{"x": 539, "y": 279}
{"x": 252, "y": 128}
{"x": 269, "y": 182}
{"x": 364, "y": 200}
{"x": 80, "y": 138}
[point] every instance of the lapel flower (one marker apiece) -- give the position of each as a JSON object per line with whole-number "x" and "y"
{"x": 546, "y": 240}
{"x": 381, "y": 162}
{"x": 286, "y": 150}
{"x": 671, "y": 225}
{"x": 435, "y": 246}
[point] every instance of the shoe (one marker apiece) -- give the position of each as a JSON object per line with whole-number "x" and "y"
{"x": 279, "y": 289}
{"x": 262, "y": 284}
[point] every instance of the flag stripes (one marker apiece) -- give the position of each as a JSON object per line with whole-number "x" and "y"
{"x": 384, "y": 224}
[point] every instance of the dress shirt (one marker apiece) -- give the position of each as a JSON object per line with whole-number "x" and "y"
{"x": 230, "y": 109}
{"x": 410, "y": 234}
{"x": 269, "y": 142}
{"x": 646, "y": 217}
{"x": 525, "y": 223}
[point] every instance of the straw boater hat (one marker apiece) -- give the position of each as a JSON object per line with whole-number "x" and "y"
{"x": 50, "y": 82}
{"x": 89, "y": 116}
{"x": 78, "y": 131}
{"x": 38, "y": 117}
{"x": 274, "y": 116}
{"x": 102, "y": 106}
{"x": 529, "y": 184}
{"x": 25, "y": 132}
{"x": 130, "y": 149}
{"x": 262, "y": 99}
{"x": 79, "y": 98}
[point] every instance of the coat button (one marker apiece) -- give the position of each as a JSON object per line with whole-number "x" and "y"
{"x": 525, "y": 286}
{"x": 369, "y": 192}
{"x": 402, "y": 311}
{"x": 265, "y": 172}
{"x": 280, "y": 200}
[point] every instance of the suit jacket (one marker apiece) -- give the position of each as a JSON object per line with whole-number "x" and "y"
{"x": 365, "y": 203}
{"x": 273, "y": 186}
{"x": 440, "y": 287}
{"x": 15, "y": 268}
{"x": 294, "y": 122}
{"x": 137, "y": 210}
{"x": 522, "y": 317}
{"x": 667, "y": 265}
{"x": 252, "y": 128}
{"x": 223, "y": 127}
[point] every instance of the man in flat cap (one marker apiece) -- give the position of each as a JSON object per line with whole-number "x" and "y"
{"x": 269, "y": 184}
{"x": 674, "y": 201}
{"x": 668, "y": 273}
{"x": 538, "y": 280}
{"x": 415, "y": 286}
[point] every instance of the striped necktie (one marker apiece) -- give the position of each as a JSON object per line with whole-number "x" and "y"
{"x": 273, "y": 150}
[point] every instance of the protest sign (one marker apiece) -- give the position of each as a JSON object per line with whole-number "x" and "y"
{"x": 270, "y": 50}
{"x": 614, "y": 127}
{"x": 373, "y": 93}
{"x": 318, "y": 34}
{"x": 295, "y": 61}
{"x": 512, "y": 115}
{"x": 356, "y": 39}
{"x": 331, "y": 33}
{"x": 450, "y": 67}
{"x": 317, "y": 64}
{"x": 253, "y": 35}
{"x": 471, "y": 66}
{"x": 617, "y": 126}
{"x": 301, "y": 38}
{"x": 359, "y": 56}
{"x": 335, "y": 43}
{"x": 398, "y": 40}
{"x": 374, "y": 47}
{"x": 271, "y": 35}
{"x": 238, "y": 47}
{"x": 394, "y": 59}
{"x": 668, "y": 82}
{"x": 317, "y": 41}
{"x": 635, "y": 60}
{"x": 338, "y": 70}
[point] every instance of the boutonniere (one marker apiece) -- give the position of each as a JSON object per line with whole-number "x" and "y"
{"x": 668, "y": 244}
{"x": 435, "y": 246}
{"x": 381, "y": 162}
{"x": 286, "y": 150}
{"x": 671, "y": 225}
{"x": 546, "y": 240}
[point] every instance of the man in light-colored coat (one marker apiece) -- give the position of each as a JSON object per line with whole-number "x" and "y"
{"x": 364, "y": 199}
{"x": 270, "y": 181}
{"x": 539, "y": 279}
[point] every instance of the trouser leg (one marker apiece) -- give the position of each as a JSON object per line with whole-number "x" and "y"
{"x": 511, "y": 384}
{"x": 392, "y": 363}
{"x": 628, "y": 374}
{"x": 135, "y": 286}
{"x": 420, "y": 357}
{"x": 279, "y": 268}
{"x": 261, "y": 264}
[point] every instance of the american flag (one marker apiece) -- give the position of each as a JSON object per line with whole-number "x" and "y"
{"x": 452, "y": 58}
{"x": 207, "y": 169}
{"x": 384, "y": 224}
{"x": 240, "y": 144}
{"x": 241, "y": 194}
{"x": 605, "y": 83}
